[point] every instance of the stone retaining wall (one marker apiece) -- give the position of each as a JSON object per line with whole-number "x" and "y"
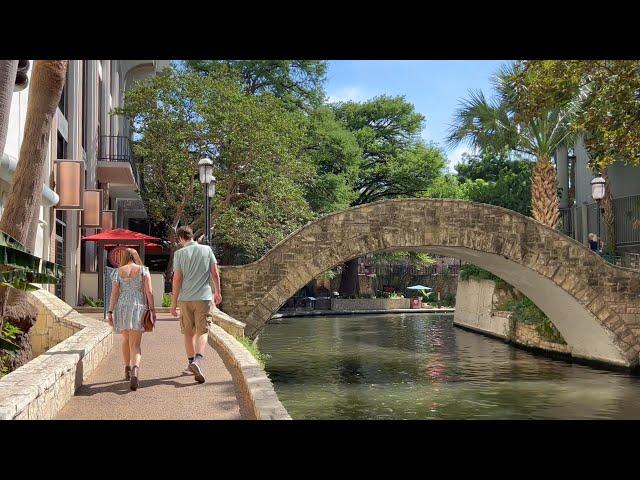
{"x": 475, "y": 310}
{"x": 41, "y": 388}
{"x": 369, "y": 303}
{"x": 257, "y": 390}
{"x": 228, "y": 323}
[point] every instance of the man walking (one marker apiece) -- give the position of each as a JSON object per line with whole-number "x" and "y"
{"x": 194, "y": 266}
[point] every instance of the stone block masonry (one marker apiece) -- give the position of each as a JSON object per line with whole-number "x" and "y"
{"x": 561, "y": 276}
{"x": 69, "y": 347}
{"x": 257, "y": 390}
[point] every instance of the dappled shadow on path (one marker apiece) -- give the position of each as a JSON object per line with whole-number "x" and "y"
{"x": 120, "y": 387}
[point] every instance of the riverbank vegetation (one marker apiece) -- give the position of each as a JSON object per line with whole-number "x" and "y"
{"x": 522, "y": 308}
{"x": 254, "y": 350}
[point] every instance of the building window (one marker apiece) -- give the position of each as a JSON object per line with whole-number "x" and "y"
{"x": 61, "y": 234}
{"x": 61, "y": 224}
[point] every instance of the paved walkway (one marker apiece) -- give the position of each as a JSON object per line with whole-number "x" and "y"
{"x": 165, "y": 392}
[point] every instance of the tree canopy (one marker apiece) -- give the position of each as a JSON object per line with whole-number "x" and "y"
{"x": 298, "y": 83}
{"x": 608, "y": 95}
{"x": 256, "y": 143}
{"x": 395, "y": 161}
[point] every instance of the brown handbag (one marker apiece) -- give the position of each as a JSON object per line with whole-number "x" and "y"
{"x": 149, "y": 317}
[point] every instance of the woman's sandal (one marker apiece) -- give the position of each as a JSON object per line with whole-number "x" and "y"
{"x": 134, "y": 377}
{"x": 127, "y": 372}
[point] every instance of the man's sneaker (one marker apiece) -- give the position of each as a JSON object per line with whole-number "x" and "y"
{"x": 196, "y": 368}
{"x": 187, "y": 370}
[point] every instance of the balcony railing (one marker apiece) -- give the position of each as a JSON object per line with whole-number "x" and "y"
{"x": 117, "y": 148}
{"x": 580, "y": 220}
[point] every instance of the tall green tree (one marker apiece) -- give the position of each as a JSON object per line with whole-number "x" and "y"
{"x": 395, "y": 162}
{"x": 337, "y": 157}
{"x": 298, "y": 83}
{"x": 498, "y": 124}
{"x": 608, "y": 99}
{"x": 497, "y": 179}
{"x": 257, "y": 149}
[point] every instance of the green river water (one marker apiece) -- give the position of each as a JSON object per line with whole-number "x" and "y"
{"x": 419, "y": 366}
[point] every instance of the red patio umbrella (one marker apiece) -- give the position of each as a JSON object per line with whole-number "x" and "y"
{"x": 117, "y": 236}
{"x": 120, "y": 234}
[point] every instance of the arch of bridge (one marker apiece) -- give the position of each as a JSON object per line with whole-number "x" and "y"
{"x": 594, "y": 305}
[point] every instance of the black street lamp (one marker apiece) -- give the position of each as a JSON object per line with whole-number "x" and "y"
{"x": 205, "y": 168}
{"x": 597, "y": 193}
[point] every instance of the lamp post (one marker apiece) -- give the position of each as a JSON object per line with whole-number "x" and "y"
{"x": 211, "y": 192}
{"x": 205, "y": 169}
{"x": 597, "y": 193}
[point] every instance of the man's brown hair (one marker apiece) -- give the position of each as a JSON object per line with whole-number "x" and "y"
{"x": 185, "y": 233}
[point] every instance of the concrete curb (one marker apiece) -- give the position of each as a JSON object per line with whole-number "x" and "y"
{"x": 41, "y": 388}
{"x": 256, "y": 387}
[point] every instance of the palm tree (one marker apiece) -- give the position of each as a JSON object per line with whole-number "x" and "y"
{"x": 494, "y": 124}
{"x": 25, "y": 197}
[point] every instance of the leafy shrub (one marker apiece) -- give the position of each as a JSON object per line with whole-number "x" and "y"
{"x": 468, "y": 271}
{"x": 448, "y": 300}
{"x": 166, "y": 299}
{"x": 527, "y": 312}
{"x": 8, "y": 345}
{"x": 253, "y": 349}
{"x": 92, "y": 302}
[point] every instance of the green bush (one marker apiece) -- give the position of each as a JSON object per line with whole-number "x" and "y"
{"x": 448, "y": 300}
{"x": 253, "y": 349}
{"x": 92, "y": 302}
{"x": 468, "y": 271}
{"x": 166, "y": 299}
{"x": 7, "y": 345}
{"x": 527, "y": 312}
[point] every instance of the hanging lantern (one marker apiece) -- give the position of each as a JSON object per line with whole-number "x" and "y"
{"x": 92, "y": 212}
{"x": 108, "y": 219}
{"x": 69, "y": 179}
{"x": 598, "y": 188}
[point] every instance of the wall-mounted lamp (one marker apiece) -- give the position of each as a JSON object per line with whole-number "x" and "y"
{"x": 108, "y": 219}
{"x": 92, "y": 212}
{"x": 69, "y": 180}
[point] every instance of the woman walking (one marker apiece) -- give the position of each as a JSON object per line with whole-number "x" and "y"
{"x": 130, "y": 295}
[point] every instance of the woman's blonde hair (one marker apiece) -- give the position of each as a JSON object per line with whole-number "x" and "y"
{"x": 130, "y": 254}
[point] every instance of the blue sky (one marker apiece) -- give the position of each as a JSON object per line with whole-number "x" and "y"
{"x": 433, "y": 86}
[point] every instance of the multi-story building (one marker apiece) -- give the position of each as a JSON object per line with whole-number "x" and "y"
{"x": 579, "y": 212}
{"x": 83, "y": 129}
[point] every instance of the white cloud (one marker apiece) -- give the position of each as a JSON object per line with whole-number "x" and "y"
{"x": 345, "y": 94}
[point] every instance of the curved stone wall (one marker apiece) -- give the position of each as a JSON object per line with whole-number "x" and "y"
{"x": 75, "y": 345}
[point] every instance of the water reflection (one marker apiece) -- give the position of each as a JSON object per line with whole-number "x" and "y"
{"x": 420, "y": 366}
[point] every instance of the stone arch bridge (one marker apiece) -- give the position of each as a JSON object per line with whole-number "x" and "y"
{"x": 594, "y": 305}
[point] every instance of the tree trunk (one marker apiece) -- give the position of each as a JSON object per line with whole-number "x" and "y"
{"x": 609, "y": 215}
{"x": 25, "y": 197}
{"x": 349, "y": 284}
{"x": 544, "y": 193}
{"x": 47, "y": 81}
{"x": 8, "y": 69}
